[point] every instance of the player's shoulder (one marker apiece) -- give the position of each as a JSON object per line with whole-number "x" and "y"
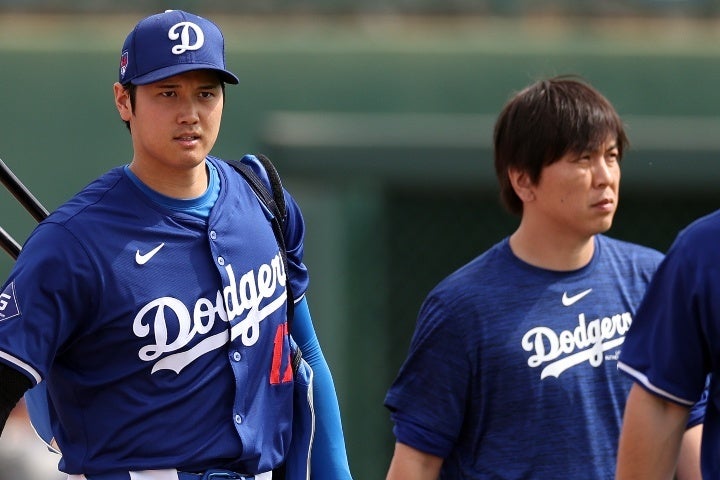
{"x": 702, "y": 230}
{"x": 90, "y": 195}
{"x": 77, "y": 219}
{"x": 250, "y": 160}
{"x": 480, "y": 270}
{"x": 696, "y": 243}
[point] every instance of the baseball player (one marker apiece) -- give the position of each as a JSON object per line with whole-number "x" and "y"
{"x": 670, "y": 353}
{"x": 152, "y": 305}
{"x": 512, "y": 368}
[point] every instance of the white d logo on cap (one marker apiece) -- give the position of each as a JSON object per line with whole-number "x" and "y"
{"x": 184, "y": 37}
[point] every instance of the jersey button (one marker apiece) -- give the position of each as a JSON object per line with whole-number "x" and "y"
{"x": 213, "y": 235}
{"x": 238, "y": 419}
{"x": 221, "y": 260}
{"x": 236, "y": 356}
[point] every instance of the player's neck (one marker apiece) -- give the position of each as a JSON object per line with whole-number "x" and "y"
{"x": 560, "y": 251}
{"x": 174, "y": 183}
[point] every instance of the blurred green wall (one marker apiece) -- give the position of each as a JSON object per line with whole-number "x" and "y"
{"x": 381, "y": 129}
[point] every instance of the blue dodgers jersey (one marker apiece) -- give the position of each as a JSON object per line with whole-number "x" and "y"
{"x": 512, "y": 370}
{"x": 673, "y": 343}
{"x": 162, "y": 338}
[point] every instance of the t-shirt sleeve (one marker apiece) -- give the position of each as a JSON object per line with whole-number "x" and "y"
{"x": 428, "y": 398}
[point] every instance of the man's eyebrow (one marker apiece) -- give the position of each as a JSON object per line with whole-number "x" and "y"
{"x": 166, "y": 85}
{"x": 178, "y": 85}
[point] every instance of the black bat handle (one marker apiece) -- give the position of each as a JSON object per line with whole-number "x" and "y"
{"x": 21, "y": 193}
{"x": 9, "y": 244}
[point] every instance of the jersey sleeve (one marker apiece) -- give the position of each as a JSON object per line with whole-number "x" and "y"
{"x": 436, "y": 372}
{"x": 665, "y": 349}
{"x": 45, "y": 293}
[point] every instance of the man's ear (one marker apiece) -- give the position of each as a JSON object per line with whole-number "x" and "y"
{"x": 122, "y": 101}
{"x": 522, "y": 184}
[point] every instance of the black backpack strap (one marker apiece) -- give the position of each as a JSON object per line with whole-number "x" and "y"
{"x": 275, "y": 184}
{"x": 275, "y": 202}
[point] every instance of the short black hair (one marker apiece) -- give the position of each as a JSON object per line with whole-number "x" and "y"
{"x": 545, "y": 121}
{"x": 131, "y": 89}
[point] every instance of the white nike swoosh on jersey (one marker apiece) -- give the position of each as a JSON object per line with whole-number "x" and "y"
{"x": 567, "y": 301}
{"x": 143, "y": 258}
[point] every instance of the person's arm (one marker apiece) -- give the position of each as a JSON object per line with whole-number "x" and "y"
{"x": 689, "y": 460}
{"x": 651, "y": 436}
{"x": 408, "y": 462}
{"x": 329, "y": 458}
{"x": 688, "y": 466}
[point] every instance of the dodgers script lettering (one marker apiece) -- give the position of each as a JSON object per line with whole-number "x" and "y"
{"x": 239, "y": 298}
{"x": 587, "y": 342}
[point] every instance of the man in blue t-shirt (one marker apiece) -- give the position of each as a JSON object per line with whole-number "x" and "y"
{"x": 512, "y": 369}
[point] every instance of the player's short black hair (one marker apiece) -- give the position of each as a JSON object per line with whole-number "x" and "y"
{"x": 132, "y": 93}
{"x": 547, "y": 120}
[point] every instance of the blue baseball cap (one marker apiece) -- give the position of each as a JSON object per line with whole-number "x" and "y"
{"x": 170, "y": 43}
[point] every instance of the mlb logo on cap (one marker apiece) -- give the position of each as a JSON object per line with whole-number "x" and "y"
{"x": 171, "y": 43}
{"x": 123, "y": 63}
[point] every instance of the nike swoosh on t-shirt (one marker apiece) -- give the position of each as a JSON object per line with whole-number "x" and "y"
{"x": 567, "y": 301}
